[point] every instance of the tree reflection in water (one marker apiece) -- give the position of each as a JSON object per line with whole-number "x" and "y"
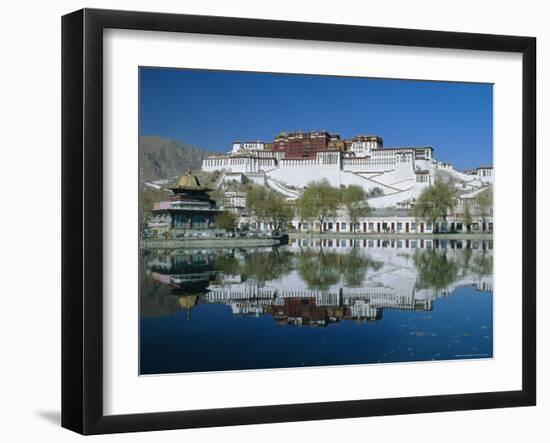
{"x": 257, "y": 265}
{"x": 355, "y": 266}
{"x": 340, "y": 276}
{"x": 465, "y": 259}
{"x": 435, "y": 269}
{"x": 321, "y": 269}
{"x": 228, "y": 264}
{"x": 262, "y": 266}
{"x": 483, "y": 264}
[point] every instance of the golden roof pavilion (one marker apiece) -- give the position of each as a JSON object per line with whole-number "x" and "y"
{"x": 190, "y": 181}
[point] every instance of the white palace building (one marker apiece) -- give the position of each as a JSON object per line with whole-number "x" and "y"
{"x": 293, "y": 160}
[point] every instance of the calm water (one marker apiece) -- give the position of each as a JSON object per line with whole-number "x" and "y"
{"x": 312, "y": 303}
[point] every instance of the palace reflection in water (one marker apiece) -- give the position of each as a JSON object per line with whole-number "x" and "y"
{"x": 316, "y": 302}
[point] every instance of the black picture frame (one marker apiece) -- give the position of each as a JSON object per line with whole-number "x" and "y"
{"x": 82, "y": 215}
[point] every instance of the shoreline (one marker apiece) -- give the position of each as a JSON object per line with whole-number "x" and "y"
{"x": 262, "y": 242}
{"x": 211, "y": 242}
{"x": 381, "y": 235}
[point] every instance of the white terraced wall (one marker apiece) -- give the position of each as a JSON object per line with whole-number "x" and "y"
{"x": 257, "y": 178}
{"x": 289, "y": 193}
{"x": 260, "y": 178}
{"x": 462, "y": 176}
{"x": 391, "y": 200}
{"x": 401, "y": 173}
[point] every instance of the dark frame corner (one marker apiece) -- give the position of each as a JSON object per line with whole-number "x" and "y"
{"x": 82, "y": 133}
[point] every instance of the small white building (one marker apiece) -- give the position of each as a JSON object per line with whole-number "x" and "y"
{"x": 362, "y": 146}
{"x": 485, "y": 172}
{"x": 247, "y": 146}
{"x": 234, "y": 202}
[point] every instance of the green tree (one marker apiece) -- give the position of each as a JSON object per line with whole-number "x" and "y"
{"x": 226, "y": 220}
{"x": 354, "y": 199}
{"x": 436, "y": 201}
{"x": 268, "y": 206}
{"x": 318, "y": 202}
{"x": 375, "y": 192}
{"x": 467, "y": 217}
{"x": 305, "y": 210}
{"x": 281, "y": 212}
{"x": 254, "y": 197}
{"x": 484, "y": 204}
{"x": 255, "y": 203}
{"x": 217, "y": 195}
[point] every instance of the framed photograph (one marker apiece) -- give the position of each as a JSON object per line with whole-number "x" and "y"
{"x": 269, "y": 221}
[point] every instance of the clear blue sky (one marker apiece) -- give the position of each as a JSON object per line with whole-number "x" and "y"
{"x": 211, "y": 109}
